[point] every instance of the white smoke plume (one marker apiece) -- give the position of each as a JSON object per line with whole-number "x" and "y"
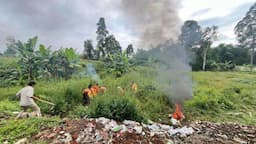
{"x": 91, "y": 73}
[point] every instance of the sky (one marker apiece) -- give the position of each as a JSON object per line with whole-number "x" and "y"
{"x": 67, "y": 23}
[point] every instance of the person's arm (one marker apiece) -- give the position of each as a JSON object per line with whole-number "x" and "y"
{"x": 18, "y": 94}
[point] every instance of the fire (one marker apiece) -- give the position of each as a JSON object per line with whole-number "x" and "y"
{"x": 178, "y": 115}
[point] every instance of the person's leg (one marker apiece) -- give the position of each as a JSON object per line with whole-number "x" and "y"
{"x": 23, "y": 112}
{"x": 36, "y": 110}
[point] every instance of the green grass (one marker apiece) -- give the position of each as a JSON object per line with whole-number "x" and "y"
{"x": 217, "y": 97}
{"x": 7, "y": 107}
{"x": 12, "y": 130}
{"x": 223, "y": 97}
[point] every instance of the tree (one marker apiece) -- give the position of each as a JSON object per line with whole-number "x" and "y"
{"x": 28, "y": 59}
{"x": 112, "y": 45}
{"x": 11, "y": 47}
{"x": 88, "y": 49}
{"x": 129, "y": 50}
{"x": 102, "y": 33}
{"x": 117, "y": 64}
{"x": 209, "y": 34}
{"x": 246, "y": 31}
{"x": 190, "y": 34}
{"x": 228, "y": 52}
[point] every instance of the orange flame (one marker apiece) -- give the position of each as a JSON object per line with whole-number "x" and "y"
{"x": 178, "y": 115}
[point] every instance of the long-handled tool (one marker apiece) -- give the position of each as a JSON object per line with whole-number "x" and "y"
{"x": 44, "y": 101}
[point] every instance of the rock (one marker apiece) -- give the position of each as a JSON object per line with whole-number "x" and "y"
{"x": 130, "y": 123}
{"x": 184, "y": 131}
{"x": 251, "y": 136}
{"x": 22, "y": 141}
{"x": 61, "y": 132}
{"x": 220, "y": 140}
{"x": 124, "y": 129}
{"x": 110, "y": 125}
{"x": 222, "y": 136}
{"x": 98, "y": 137}
{"x": 50, "y": 136}
{"x": 68, "y": 138}
{"x": 138, "y": 129}
{"x": 154, "y": 127}
{"x": 249, "y": 131}
{"x": 103, "y": 120}
{"x": 240, "y": 141}
{"x": 165, "y": 127}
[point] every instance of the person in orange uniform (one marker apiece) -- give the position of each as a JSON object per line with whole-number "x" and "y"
{"x": 87, "y": 94}
{"x": 134, "y": 87}
{"x": 102, "y": 89}
{"x": 95, "y": 89}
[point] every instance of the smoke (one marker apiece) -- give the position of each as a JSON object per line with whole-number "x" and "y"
{"x": 91, "y": 73}
{"x": 158, "y": 25}
{"x": 155, "y": 21}
{"x": 174, "y": 71}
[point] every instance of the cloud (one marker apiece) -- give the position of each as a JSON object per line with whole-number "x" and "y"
{"x": 224, "y": 14}
{"x": 197, "y": 13}
{"x": 68, "y": 23}
{"x": 57, "y": 22}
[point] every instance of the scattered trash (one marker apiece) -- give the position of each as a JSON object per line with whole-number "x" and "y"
{"x": 184, "y": 131}
{"x": 116, "y": 128}
{"x": 103, "y": 130}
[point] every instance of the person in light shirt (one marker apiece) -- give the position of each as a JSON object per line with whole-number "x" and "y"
{"x": 26, "y": 96}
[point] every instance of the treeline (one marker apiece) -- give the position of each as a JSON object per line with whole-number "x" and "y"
{"x": 35, "y": 63}
{"x": 43, "y": 63}
{"x": 223, "y": 57}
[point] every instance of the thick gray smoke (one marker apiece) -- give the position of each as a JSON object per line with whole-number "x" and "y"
{"x": 155, "y": 21}
{"x": 158, "y": 25}
{"x": 174, "y": 71}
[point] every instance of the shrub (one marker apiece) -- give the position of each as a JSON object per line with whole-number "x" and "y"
{"x": 114, "y": 107}
{"x": 78, "y": 112}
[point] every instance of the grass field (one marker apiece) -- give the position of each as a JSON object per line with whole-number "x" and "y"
{"x": 217, "y": 97}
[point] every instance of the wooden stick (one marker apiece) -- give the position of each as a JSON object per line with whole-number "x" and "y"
{"x": 44, "y": 101}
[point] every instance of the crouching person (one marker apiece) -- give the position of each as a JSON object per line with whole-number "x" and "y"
{"x": 26, "y": 96}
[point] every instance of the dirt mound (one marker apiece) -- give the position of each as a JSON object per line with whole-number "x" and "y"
{"x": 103, "y": 130}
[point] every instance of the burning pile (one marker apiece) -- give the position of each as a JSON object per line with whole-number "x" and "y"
{"x": 177, "y": 116}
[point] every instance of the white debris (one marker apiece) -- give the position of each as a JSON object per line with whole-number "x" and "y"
{"x": 184, "y": 131}
{"x": 103, "y": 120}
{"x": 131, "y": 123}
{"x": 138, "y": 129}
{"x": 22, "y": 141}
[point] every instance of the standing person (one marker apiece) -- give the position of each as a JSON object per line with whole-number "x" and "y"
{"x": 26, "y": 96}
{"x": 134, "y": 87}
{"x": 95, "y": 89}
{"x": 87, "y": 94}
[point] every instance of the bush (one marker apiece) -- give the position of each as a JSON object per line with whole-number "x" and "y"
{"x": 65, "y": 94}
{"x": 79, "y": 112}
{"x": 114, "y": 107}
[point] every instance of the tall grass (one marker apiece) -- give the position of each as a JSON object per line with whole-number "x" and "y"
{"x": 217, "y": 96}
